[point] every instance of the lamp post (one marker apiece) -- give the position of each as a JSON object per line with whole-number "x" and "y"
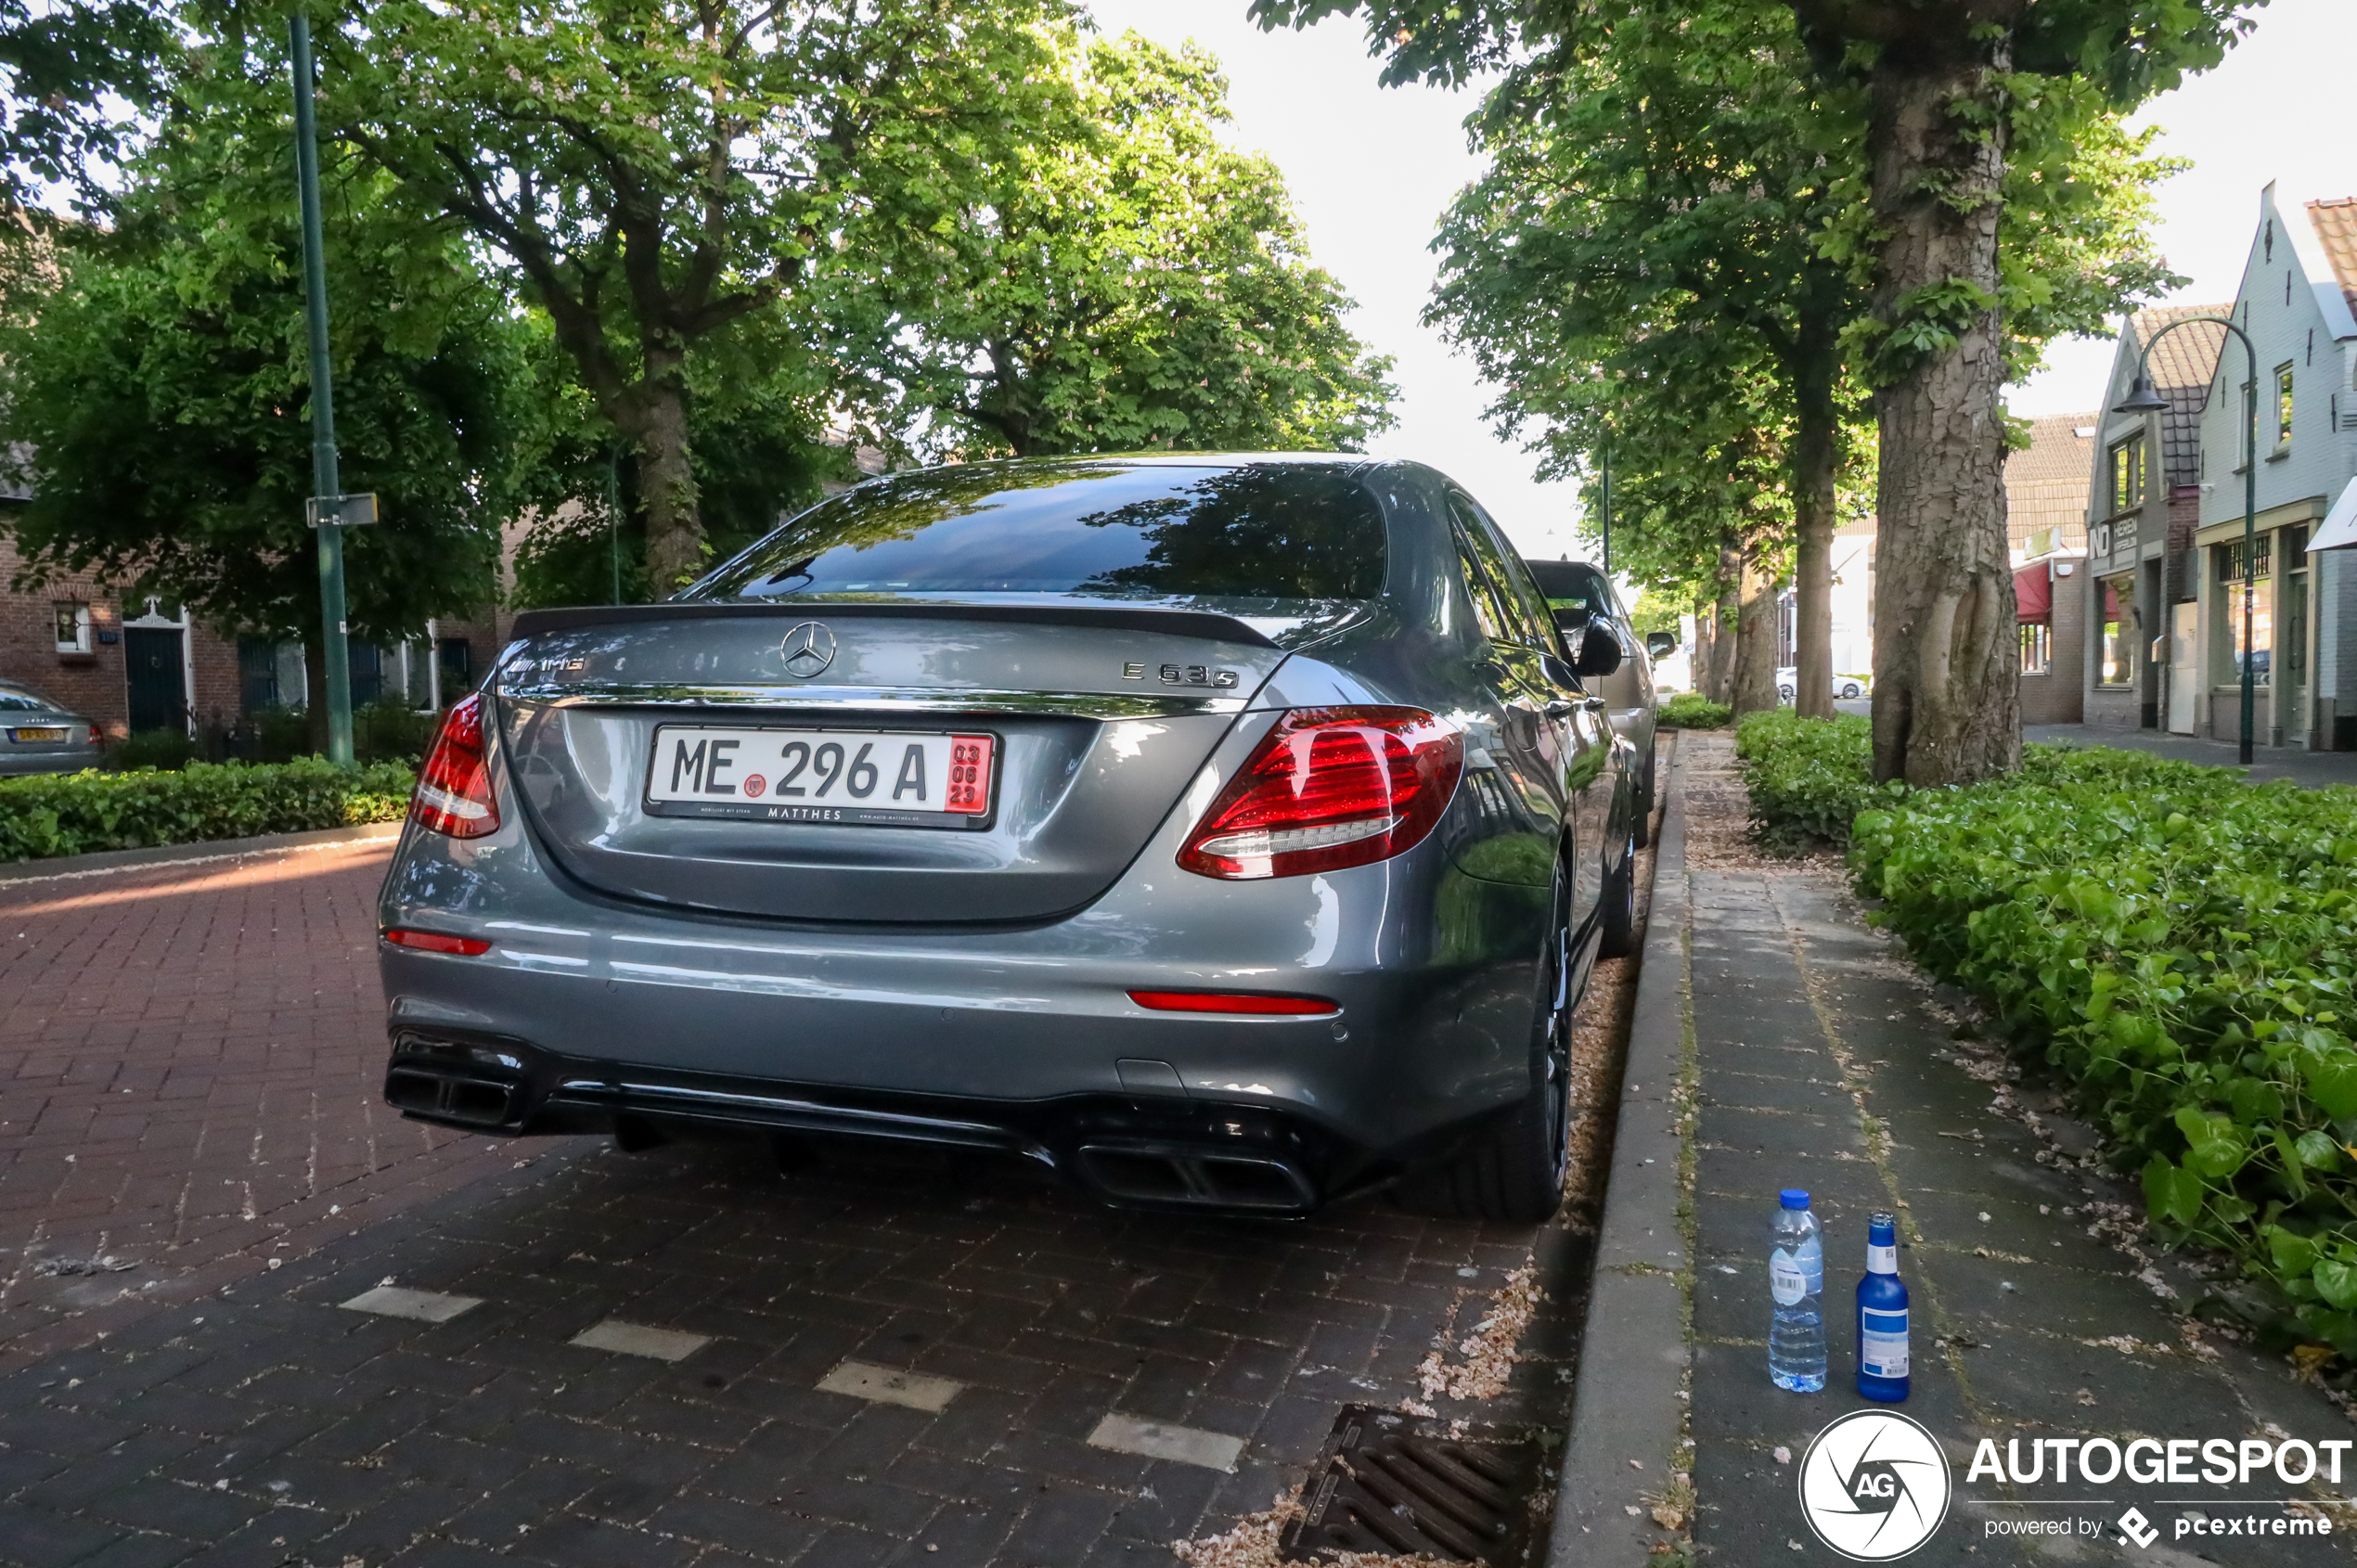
{"x": 2143, "y": 399}
{"x": 324, "y": 482}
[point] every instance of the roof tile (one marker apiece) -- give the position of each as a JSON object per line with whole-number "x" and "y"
{"x": 2336, "y": 224}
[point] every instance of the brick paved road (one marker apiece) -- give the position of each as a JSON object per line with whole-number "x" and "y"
{"x": 189, "y": 1061}
{"x": 258, "y": 1423}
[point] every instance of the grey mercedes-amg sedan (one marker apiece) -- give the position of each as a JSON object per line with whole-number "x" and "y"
{"x": 1226, "y": 831}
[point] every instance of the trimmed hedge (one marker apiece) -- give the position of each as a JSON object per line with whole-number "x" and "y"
{"x": 2182, "y": 945}
{"x": 73, "y": 813}
{"x": 1691, "y": 710}
{"x": 1809, "y": 778}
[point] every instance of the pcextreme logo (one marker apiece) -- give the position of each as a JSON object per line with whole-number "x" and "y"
{"x": 1874, "y": 1486}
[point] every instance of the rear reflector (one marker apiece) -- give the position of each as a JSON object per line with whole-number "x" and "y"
{"x": 434, "y": 942}
{"x": 1232, "y": 1002}
{"x": 454, "y": 788}
{"x": 1329, "y": 787}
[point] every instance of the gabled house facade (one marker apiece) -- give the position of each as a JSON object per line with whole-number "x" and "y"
{"x": 2298, "y": 302}
{"x": 2143, "y": 509}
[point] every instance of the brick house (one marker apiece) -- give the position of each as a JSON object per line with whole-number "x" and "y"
{"x": 140, "y": 666}
{"x": 2143, "y": 498}
{"x": 2046, "y": 529}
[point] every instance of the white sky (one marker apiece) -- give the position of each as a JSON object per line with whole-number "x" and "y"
{"x": 1371, "y": 169}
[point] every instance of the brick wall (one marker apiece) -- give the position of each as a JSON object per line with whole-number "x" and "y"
{"x": 92, "y": 684}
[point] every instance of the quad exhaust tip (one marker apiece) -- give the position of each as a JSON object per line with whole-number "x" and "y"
{"x": 1195, "y": 1177}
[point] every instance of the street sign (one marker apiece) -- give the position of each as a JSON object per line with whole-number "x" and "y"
{"x": 347, "y": 511}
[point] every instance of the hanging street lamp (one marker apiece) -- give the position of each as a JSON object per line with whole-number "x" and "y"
{"x": 2143, "y": 399}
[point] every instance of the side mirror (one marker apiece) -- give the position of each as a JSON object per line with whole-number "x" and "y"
{"x": 1661, "y": 645}
{"x": 1599, "y": 650}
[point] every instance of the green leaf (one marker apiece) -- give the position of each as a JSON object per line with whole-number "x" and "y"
{"x": 2172, "y": 1193}
{"x": 2292, "y": 1255}
{"x": 2337, "y": 1282}
{"x": 2332, "y": 1082}
{"x": 2318, "y": 1151}
{"x": 2215, "y": 1147}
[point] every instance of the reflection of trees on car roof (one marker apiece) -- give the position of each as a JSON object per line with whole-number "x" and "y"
{"x": 1253, "y": 533}
{"x": 1246, "y": 530}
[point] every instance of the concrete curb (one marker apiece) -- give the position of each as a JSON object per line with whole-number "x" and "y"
{"x": 1633, "y": 1355}
{"x": 16, "y": 872}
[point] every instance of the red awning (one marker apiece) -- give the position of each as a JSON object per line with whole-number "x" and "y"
{"x": 2034, "y": 593}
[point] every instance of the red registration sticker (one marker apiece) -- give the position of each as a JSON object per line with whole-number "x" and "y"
{"x": 969, "y": 774}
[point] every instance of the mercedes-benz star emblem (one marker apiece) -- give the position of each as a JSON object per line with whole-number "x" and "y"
{"x": 809, "y": 648}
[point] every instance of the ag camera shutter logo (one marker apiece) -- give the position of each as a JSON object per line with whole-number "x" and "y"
{"x": 1874, "y": 1486}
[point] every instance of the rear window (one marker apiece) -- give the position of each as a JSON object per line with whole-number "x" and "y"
{"x": 1257, "y": 532}
{"x": 15, "y": 702}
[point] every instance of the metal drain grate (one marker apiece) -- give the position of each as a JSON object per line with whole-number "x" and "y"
{"x": 1386, "y": 1484}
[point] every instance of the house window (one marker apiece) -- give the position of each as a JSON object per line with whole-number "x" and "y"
{"x": 2128, "y": 474}
{"x": 2037, "y": 649}
{"x": 73, "y": 627}
{"x": 457, "y": 656}
{"x": 2115, "y": 650}
{"x": 2282, "y": 407}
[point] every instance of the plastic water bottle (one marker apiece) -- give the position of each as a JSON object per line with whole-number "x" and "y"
{"x": 1797, "y": 1278}
{"x": 1882, "y": 1316}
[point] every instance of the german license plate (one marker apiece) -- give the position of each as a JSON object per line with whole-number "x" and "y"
{"x": 51, "y": 732}
{"x": 883, "y": 778}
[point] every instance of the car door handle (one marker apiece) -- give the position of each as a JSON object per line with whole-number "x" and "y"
{"x": 1562, "y": 708}
{"x": 1592, "y": 705}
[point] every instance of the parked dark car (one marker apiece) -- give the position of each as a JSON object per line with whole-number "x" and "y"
{"x": 38, "y": 736}
{"x": 1229, "y": 832}
{"x": 1581, "y": 594}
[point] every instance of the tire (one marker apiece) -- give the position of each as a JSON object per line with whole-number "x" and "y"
{"x": 1785, "y": 694}
{"x": 1513, "y": 1171}
{"x": 1850, "y": 690}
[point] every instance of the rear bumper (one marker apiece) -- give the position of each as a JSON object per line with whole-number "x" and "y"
{"x": 1132, "y": 1150}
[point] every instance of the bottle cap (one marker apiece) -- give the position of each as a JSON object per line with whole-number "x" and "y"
{"x": 1882, "y": 1230}
{"x": 1793, "y": 1198}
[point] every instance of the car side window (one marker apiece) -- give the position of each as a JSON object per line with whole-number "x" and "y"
{"x": 1517, "y": 606}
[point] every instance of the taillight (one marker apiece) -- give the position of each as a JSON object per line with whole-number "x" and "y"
{"x": 97, "y": 737}
{"x": 435, "y": 942}
{"x": 454, "y": 788}
{"x": 1329, "y": 787}
{"x": 1253, "y": 1002}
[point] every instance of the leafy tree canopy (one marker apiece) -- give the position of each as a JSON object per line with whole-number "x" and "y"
{"x": 155, "y": 373}
{"x": 1123, "y": 280}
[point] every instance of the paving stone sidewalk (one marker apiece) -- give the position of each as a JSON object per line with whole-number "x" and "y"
{"x": 1824, "y": 1060}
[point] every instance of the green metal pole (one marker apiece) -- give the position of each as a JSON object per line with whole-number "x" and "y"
{"x": 334, "y": 631}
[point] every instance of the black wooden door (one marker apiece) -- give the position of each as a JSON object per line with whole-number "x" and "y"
{"x": 159, "y": 691}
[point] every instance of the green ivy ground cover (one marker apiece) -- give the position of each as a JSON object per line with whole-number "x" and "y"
{"x": 73, "y": 813}
{"x": 2181, "y": 945}
{"x": 1691, "y": 710}
{"x": 1809, "y": 778}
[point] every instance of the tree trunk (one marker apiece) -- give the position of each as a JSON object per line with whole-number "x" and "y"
{"x": 1815, "y": 462}
{"x": 653, "y": 416}
{"x": 1947, "y": 695}
{"x": 1726, "y": 616}
{"x": 1754, "y": 675}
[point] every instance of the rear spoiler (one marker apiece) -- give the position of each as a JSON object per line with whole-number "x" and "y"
{"x": 1204, "y": 623}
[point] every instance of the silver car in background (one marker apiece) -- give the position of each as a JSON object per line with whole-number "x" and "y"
{"x": 38, "y": 736}
{"x": 1226, "y": 832}
{"x": 1581, "y": 595}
